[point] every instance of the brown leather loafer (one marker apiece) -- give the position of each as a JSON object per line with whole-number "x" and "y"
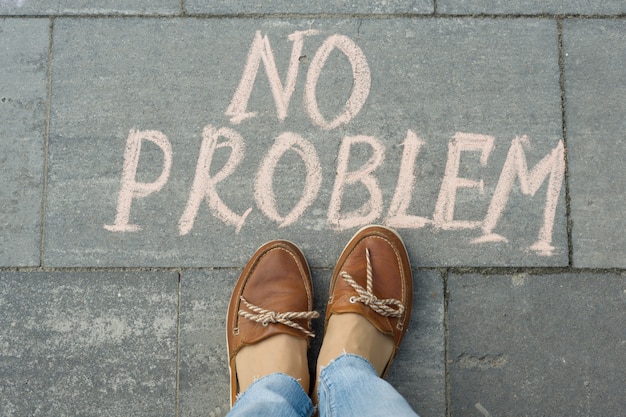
{"x": 373, "y": 278}
{"x": 273, "y": 296}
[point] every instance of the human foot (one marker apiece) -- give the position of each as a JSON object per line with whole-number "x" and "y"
{"x": 281, "y": 353}
{"x": 370, "y": 299}
{"x": 352, "y": 333}
{"x": 269, "y": 317}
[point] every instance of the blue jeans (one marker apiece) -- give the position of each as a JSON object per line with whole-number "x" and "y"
{"x": 349, "y": 386}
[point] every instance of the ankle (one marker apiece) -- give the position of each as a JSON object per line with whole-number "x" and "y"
{"x": 278, "y": 354}
{"x": 352, "y": 333}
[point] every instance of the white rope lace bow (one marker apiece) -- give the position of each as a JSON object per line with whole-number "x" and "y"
{"x": 367, "y": 297}
{"x": 265, "y": 317}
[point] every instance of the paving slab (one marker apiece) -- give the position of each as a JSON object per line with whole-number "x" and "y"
{"x": 596, "y": 103}
{"x": 531, "y": 7}
{"x": 433, "y": 126}
{"x": 418, "y": 371}
{"x": 88, "y": 7}
{"x": 23, "y": 90}
{"x": 242, "y": 7}
{"x": 526, "y": 345}
{"x": 204, "y": 378}
{"x": 90, "y": 343}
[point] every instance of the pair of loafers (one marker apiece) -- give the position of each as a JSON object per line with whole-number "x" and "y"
{"x": 274, "y": 294}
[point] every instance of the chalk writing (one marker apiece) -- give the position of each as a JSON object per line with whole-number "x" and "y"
{"x": 132, "y": 189}
{"x": 444, "y": 210}
{"x": 365, "y": 177}
{"x": 360, "y": 89}
{"x": 204, "y": 185}
{"x": 552, "y": 165}
{"x": 373, "y": 207}
{"x": 261, "y": 51}
{"x": 397, "y": 216}
{"x": 263, "y": 189}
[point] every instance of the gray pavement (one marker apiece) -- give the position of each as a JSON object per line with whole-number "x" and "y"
{"x": 148, "y": 148}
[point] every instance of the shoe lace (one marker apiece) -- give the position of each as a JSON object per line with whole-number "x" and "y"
{"x": 265, "y": 317}
{"x": 367, "y": 297}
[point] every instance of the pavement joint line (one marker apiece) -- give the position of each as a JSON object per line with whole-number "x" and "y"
{"x": 458, "y": 270}
{"x": 562, "y": 82}
{"x": 178, "y": 332}
{"x": 381, "y": 16}
{"x": 46, "y": 139}
{"x": 446, "y": 344}
{"x": 488, "y": 271}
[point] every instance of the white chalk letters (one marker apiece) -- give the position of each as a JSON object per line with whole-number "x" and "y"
{"x": 204, "y": 187}
{"x": 132, "y": 189}
{"x": 261, "y": 51}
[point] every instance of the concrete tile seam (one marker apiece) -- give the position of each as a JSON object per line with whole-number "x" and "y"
{"x": 99, "y": 269}
{"x": 92, "y": 15}
{"x": 568, "y": 211}
{"x": 46, "y": 138}
{"x": 187, "y": 15}
{"x": 446, "y": 343}
{"x": 178, "y": 332}
{"x": 533, "y": 16}
{"x": 486, "y": 271}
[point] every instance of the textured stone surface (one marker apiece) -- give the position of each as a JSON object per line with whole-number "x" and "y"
{"x": 23, "y": 75}
{"x": 418, "y": 371}
{"x": 300, "y": 6}
{"x": 88, "y": 7}
{"x": 81, "y": 333}
{"x": 101, "y": 343}
{"x": 596, "y": 104}
{"x": 204, "y": 378}
{"x": 531, "y": 6}
{"x": 429, "y": 78}
{"x": 528, "y": 345}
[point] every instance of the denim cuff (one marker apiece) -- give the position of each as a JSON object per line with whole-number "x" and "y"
{"x": 273, "y": 395}
{"x": 349, "y": 360}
